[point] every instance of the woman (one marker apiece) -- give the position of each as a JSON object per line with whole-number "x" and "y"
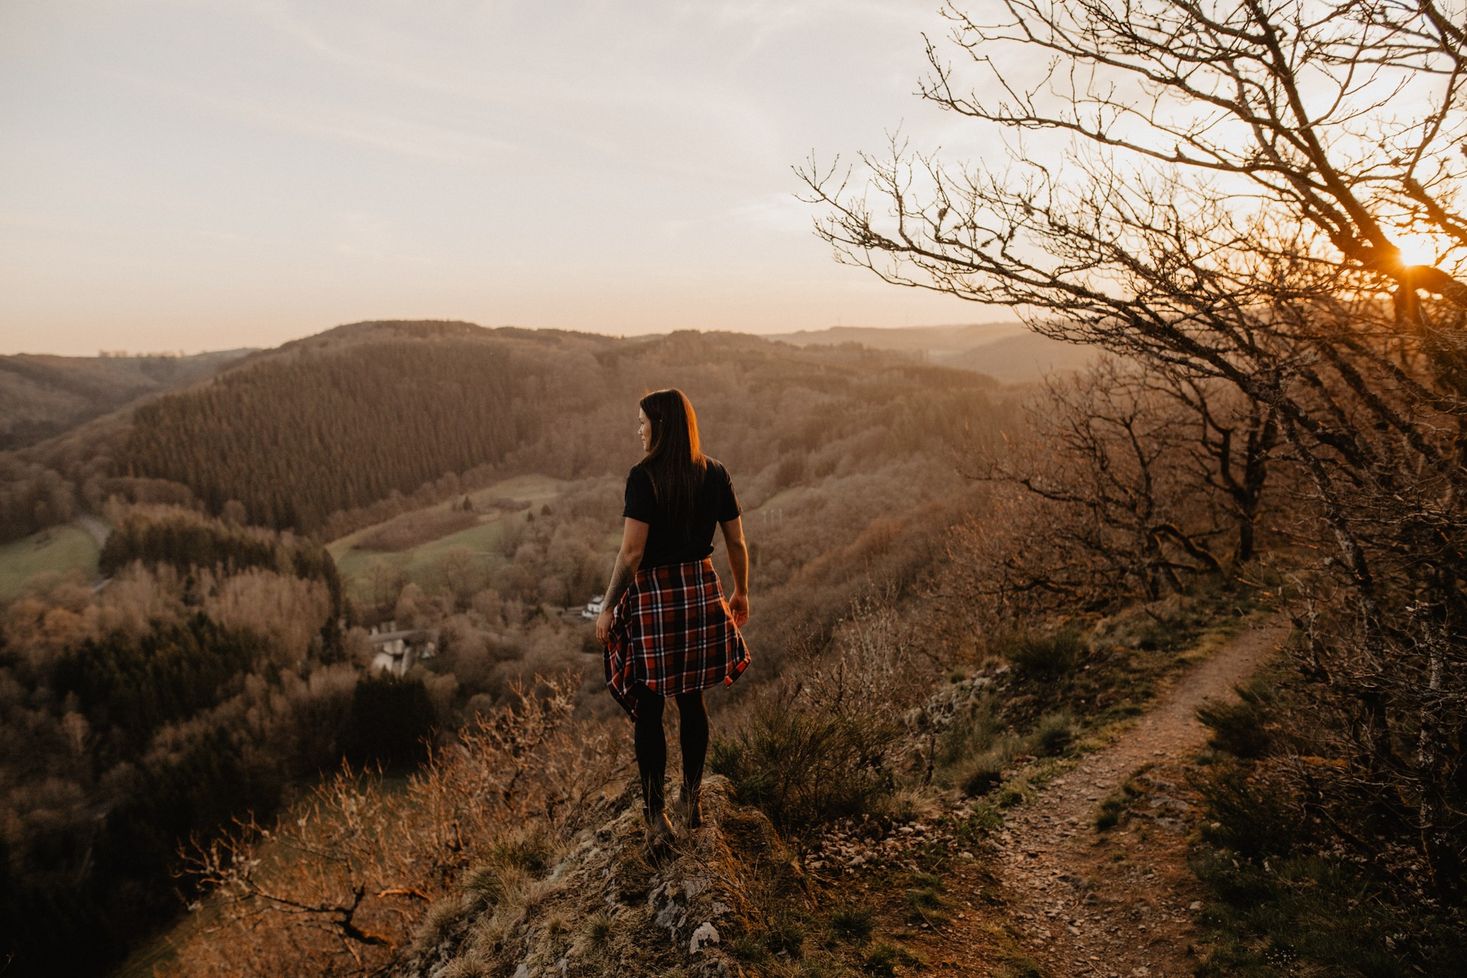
{"x": 665, "y": 624}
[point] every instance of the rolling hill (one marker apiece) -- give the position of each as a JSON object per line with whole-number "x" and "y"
{"x": 42, "y": 396}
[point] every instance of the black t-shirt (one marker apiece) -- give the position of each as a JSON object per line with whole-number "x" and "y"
{"x": 713, "y": 503}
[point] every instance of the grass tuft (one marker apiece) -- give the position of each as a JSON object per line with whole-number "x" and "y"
{"x": 852, "y": 923}
{"x": 1045, "y": 657}
{"x": 1114, "y": 805}
{"x": 883, "y": 959}
{"x": 1053, "y": 734}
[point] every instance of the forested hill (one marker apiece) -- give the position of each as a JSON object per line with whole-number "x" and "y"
{"x": 337, "y": 421}
{"x": 41, "y": 396}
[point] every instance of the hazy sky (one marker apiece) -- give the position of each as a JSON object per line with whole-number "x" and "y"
{"x": 187, "y": 174}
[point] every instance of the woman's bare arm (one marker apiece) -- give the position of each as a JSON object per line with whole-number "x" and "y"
{"x": 738, "y": 559}
{"x": 628, "y": 559}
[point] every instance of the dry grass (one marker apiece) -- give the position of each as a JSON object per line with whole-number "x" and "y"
{"x": 416, "y": 528}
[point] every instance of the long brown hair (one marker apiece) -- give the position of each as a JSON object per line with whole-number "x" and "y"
{"x": 674, "y": 461}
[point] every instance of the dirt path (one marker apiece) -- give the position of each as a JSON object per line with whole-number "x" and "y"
{"x": 1121, "y": 902}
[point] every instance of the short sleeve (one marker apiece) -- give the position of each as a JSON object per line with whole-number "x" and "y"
{"x": 728, "y": 503}
{"x": 640, "y": 502}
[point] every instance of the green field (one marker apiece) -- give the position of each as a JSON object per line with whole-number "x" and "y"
{"x": 419, "y": 564}
{"x": 57, "y": 550}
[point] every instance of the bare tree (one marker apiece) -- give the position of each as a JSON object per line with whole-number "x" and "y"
{"x": 1109, "y": 459}
{"x": 1230, "y": 194}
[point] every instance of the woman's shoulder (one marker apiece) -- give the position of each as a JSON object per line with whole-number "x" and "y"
{"x": 715, "y": 476}
{"x": 639, "y": 477}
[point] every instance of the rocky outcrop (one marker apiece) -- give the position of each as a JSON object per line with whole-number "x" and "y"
{"x": 604, "y": 909}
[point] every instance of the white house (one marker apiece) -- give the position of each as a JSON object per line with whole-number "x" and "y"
{"x": 397, "y": 650}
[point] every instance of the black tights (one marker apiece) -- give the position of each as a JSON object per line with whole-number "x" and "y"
{"x": 652, "y": 744}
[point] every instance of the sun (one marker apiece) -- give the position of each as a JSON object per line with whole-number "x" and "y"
{"x": 1418, "y": 248}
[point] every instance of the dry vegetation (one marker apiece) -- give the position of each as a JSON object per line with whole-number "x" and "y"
{"x": 413, "y": 529}
{"x": 338, "y": 886}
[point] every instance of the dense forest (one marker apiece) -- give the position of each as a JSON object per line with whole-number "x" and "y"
{"x": 297, "y": 439}
{"x": 206, "y": 678}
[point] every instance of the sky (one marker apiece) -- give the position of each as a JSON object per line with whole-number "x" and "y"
{"x": 194, "y": 175}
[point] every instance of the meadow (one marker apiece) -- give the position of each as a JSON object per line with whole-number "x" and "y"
{"x": 52, "y": 553}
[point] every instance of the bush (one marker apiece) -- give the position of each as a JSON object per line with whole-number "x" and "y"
{"x": 971, "y": 732}
{"x": 1320, "y": 916}
{"x": 1241, "y": 728}
{"x": 975, "y": 750}
{"x": 1045, "y": 657}
{"x": 805, "y": 768}
{"x": 1250, "y": 815}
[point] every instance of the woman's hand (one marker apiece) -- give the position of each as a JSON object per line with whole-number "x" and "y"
{"x": 603, "y": 626}
{"x": 738, "y": 606}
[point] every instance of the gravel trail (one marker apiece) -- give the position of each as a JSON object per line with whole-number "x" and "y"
{"x": 1122, "y": 902}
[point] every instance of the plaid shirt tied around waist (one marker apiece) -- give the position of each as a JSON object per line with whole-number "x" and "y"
{"x": 672, "y": 631}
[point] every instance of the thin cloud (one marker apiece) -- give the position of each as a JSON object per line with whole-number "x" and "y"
{"x": 400, "y": 136}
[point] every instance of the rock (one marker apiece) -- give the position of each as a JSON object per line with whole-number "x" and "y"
{"x": 705, "y": 935}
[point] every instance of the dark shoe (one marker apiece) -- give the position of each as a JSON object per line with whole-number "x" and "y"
{"x": 690, "y": 807}
{"x": 659, "y": 835}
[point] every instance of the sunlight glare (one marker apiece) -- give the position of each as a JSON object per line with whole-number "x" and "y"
{"x": 1418, "y": 249}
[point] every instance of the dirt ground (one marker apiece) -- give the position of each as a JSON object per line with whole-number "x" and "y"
{"x": 1088, "y": 903}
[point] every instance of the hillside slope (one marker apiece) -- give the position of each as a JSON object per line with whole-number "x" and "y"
{"x": 603, "y": 909}
{"x": 324, "y": 426}
{"x": 42, "y": 396}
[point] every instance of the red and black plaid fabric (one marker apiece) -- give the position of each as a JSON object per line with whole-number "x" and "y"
{"x": 672, "y": 631}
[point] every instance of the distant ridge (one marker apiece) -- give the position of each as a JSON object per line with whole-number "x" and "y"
{"x": 43, "y": 395}
{"x": 1004, "y": 351}
{"x": 381, "y": 329}
{"x": 951, "y": 338}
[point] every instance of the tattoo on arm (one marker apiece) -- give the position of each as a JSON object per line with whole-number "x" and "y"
{"x": 621, "y": 579}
